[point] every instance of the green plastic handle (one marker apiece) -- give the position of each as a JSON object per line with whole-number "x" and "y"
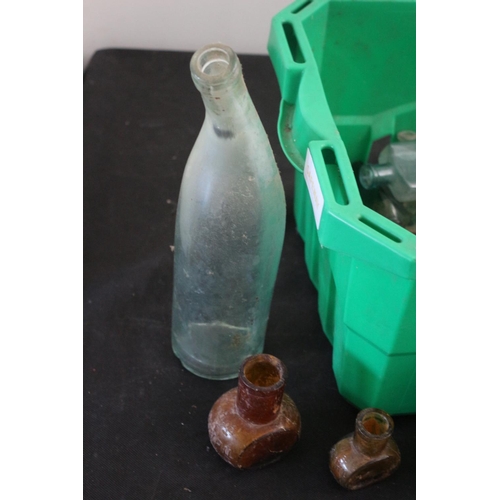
{"x": 286, "y": 55}
{"x": 347, "y": 225}
{"x": 294, "y": 64}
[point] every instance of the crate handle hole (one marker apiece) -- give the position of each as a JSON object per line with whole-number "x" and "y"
{"x": 336, "y": 181}
{"x": 293, "y": 43}
{"x": 301, "y": 7}
{"x": 380, "y": 230}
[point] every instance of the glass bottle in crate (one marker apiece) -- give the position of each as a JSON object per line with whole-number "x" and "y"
{"x": 229, "y": 228}
{"x": 395, "y": 178}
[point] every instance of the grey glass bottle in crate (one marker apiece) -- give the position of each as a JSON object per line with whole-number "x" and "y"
{"x": 229, "y": 228}
{"x": 395, "y": 178}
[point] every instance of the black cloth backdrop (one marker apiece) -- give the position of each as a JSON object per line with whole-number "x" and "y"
{"x": 145, "y": 416}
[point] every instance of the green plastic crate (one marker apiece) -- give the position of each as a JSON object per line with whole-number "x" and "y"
{"x": 346, "y": 71}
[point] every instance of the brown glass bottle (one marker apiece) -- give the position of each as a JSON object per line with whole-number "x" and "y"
{"x": 367, "y": 455}
{"x": 255, "y": 423}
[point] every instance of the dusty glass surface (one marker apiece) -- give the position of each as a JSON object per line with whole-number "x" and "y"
{"x": 229, "y": 228}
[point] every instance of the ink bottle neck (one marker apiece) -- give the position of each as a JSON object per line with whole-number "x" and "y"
{"x": 373, "y": 429}
{"x": 261, "y": 385}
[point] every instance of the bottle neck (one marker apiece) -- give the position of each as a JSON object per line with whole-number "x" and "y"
{"x": 228, "y": 109}
{"x": 373, "y": 430}
{"x": 374, "y": 176}
{"x": 216, "y": 72}
{"x": 261, "y": 385}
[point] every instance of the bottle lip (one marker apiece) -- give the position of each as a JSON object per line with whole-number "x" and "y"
{"x": 374, "y": 423}
{"x": 263, "y": 373}
{"x": 214, "y": 67}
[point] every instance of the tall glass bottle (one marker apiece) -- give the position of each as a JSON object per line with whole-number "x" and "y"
{"x": 229, "y": 228}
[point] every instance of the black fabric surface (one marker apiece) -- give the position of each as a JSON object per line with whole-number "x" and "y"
{"x": 145, "y": 416}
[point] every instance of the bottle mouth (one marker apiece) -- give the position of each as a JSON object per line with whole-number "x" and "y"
{"x": 374, "y": 423}
{"x": 263, "y": 372}
{"x": 214, "y": 66}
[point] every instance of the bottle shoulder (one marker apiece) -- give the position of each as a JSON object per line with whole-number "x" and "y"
{"x": 222, "y": 148}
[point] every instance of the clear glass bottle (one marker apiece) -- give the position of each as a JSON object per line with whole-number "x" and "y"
{"x": 396, "y": 169}
{"x": 367, "y": 455}
{"x": 255, "y": 423}
{"x": 404, "y": 214}
{"x": 395, "y": 178}
{"x": 229, "y": 229}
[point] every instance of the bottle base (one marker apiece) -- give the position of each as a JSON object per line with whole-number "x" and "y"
{"x": 215, "y": 350}
{"x": 211, "y": 376}
{"x": 204, "y": 371}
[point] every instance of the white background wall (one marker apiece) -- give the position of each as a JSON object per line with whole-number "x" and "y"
{"x": 177, "y": 24}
